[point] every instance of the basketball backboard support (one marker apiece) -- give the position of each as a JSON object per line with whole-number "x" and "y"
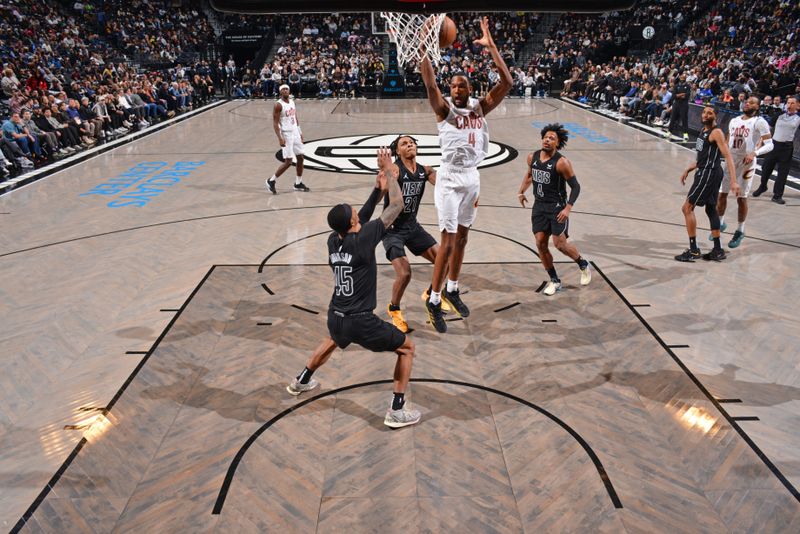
{"x": 378, "y": 24}
{"x": 417, "y": 6}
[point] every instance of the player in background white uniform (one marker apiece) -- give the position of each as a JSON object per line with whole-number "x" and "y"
{"x": 287, "y": 128}
{"x": 464, "y": 139}
{"x": 745, "y": 133}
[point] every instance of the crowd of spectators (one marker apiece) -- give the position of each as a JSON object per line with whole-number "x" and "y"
{"x": 510, "y": 31}
{"x": 148, "y": 30}
{"x": 63, "y": 91}
{"x": 77, "y": 74}
{"x": 334, "y": 55}
{"x": 720, "y": 55}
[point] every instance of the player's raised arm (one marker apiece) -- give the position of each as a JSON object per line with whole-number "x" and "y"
{"x": 527, "y": 180}
{"x": 435, "y": 97}
{"x": 506, "y": 82}
{"x": 391, "y": 171}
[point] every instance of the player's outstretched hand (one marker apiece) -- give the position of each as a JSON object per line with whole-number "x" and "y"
{"x": 486, "y": 38}
{"x": 380, "y": 181}
{"x": 522, "y": 199}
{"x": 384, "y": 158}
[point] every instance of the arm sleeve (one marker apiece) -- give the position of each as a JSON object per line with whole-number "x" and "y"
{"x": 765, "y": 148}
{"x": 370, "y": 235}
{"x": 574, "y": 190}
{"x": 366, "y": 211}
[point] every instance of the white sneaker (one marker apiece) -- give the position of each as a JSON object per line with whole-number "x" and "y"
{"x": 586, "y": 276}
{"x": 403, "y": 417}
{"x": 296, "y": 387}
{"x": 551, "y": 288}
{"x": 127, "y": 124}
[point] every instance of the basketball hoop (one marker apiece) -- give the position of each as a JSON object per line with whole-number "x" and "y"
{"x": 414, "y": 35}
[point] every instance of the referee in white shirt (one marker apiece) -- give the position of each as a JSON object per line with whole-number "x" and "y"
{"x": 783, "y": 140}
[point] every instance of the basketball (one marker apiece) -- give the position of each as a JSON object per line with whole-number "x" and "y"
{"x": 447, "y": 33}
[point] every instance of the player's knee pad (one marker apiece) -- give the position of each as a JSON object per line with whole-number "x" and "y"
{"x": 713, "y": 216}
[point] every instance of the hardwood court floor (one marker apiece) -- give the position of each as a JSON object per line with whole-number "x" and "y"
{"x": 84, "y": 286}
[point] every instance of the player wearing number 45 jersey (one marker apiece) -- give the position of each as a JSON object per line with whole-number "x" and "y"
{"x": 351, "y": 255}
{"x": 549, "y": 172}
{"x": 464, "y": 139}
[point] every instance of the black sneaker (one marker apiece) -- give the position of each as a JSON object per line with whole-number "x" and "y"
{"x": 301, "y": 187}
{"x": 455, "y": 302}
{"x": 436, "y": 316}
{"x": 688, "y": 255}
{"x": 758, "y": 192}
{"x": 778, "y": 200}
{"x": 716, "y": 254}
{"x": 271, "y": 187}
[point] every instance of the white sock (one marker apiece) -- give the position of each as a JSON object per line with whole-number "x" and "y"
{"x": 452, "y": 285}
{"x": 741, "y": 227}
{"x": 721, "y": 220}
{"x": 298, "y": 180}
{"x": 436, "y": 297}
{"x": 273, "y": 178}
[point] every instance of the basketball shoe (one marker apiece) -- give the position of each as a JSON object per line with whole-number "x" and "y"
{"x": 296, "y": 387}
{"x": 397, "y": 319}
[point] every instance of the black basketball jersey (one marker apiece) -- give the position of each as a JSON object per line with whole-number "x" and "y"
{"x": 708, "y": 154}
{"x": 549, "y": 187}
{"x": 355, "y": 271}
{"x": 412, "y": 184}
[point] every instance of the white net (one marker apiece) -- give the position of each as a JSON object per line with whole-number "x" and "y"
{"x": 414, "y": 35}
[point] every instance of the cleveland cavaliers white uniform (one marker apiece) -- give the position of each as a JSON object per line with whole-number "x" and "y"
{"x": 464, "y": 139}
{"x": 743, "y": 135}
{"x": 290, "y": 130}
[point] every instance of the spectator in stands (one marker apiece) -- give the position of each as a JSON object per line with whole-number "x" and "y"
{"x": 15, "y": 131}
{"x": 43, "y": 117}
{"x": 48, "y": 139}
{"x": 294, "y": 83}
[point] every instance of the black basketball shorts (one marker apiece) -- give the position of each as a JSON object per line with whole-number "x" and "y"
{"x": 705, "y": 187}
{"x": 412, "y": 236}
{"x": 544, "y": 218}
{"x": 365, "y": 329}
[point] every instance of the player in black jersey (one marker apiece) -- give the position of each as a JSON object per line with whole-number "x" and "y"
{"x": 351, "y": 255}
{"x": 711, "y": 147}
{"x": 406, "y": 231}
{"x": 549, "y": 172}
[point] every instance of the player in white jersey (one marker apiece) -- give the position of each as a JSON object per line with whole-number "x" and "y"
{"x": 464, "y": 139}
{"x": 748, "y": 137}
{"x": 287, "y": 128}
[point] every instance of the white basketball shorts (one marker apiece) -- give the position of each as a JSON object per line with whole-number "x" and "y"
{"x": 294, "y": 146}
{"x": 744, "y": 175}
{"x": 456, "y": 197}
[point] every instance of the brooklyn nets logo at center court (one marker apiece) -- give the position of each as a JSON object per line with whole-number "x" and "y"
{"x": 356, "y": 154}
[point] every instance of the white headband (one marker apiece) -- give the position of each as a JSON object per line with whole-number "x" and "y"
{"x": 282, "y": 87}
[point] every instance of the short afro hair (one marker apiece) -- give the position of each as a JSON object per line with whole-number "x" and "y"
{"x": 560, "y": 131}
{"x": 463, "y": 74}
